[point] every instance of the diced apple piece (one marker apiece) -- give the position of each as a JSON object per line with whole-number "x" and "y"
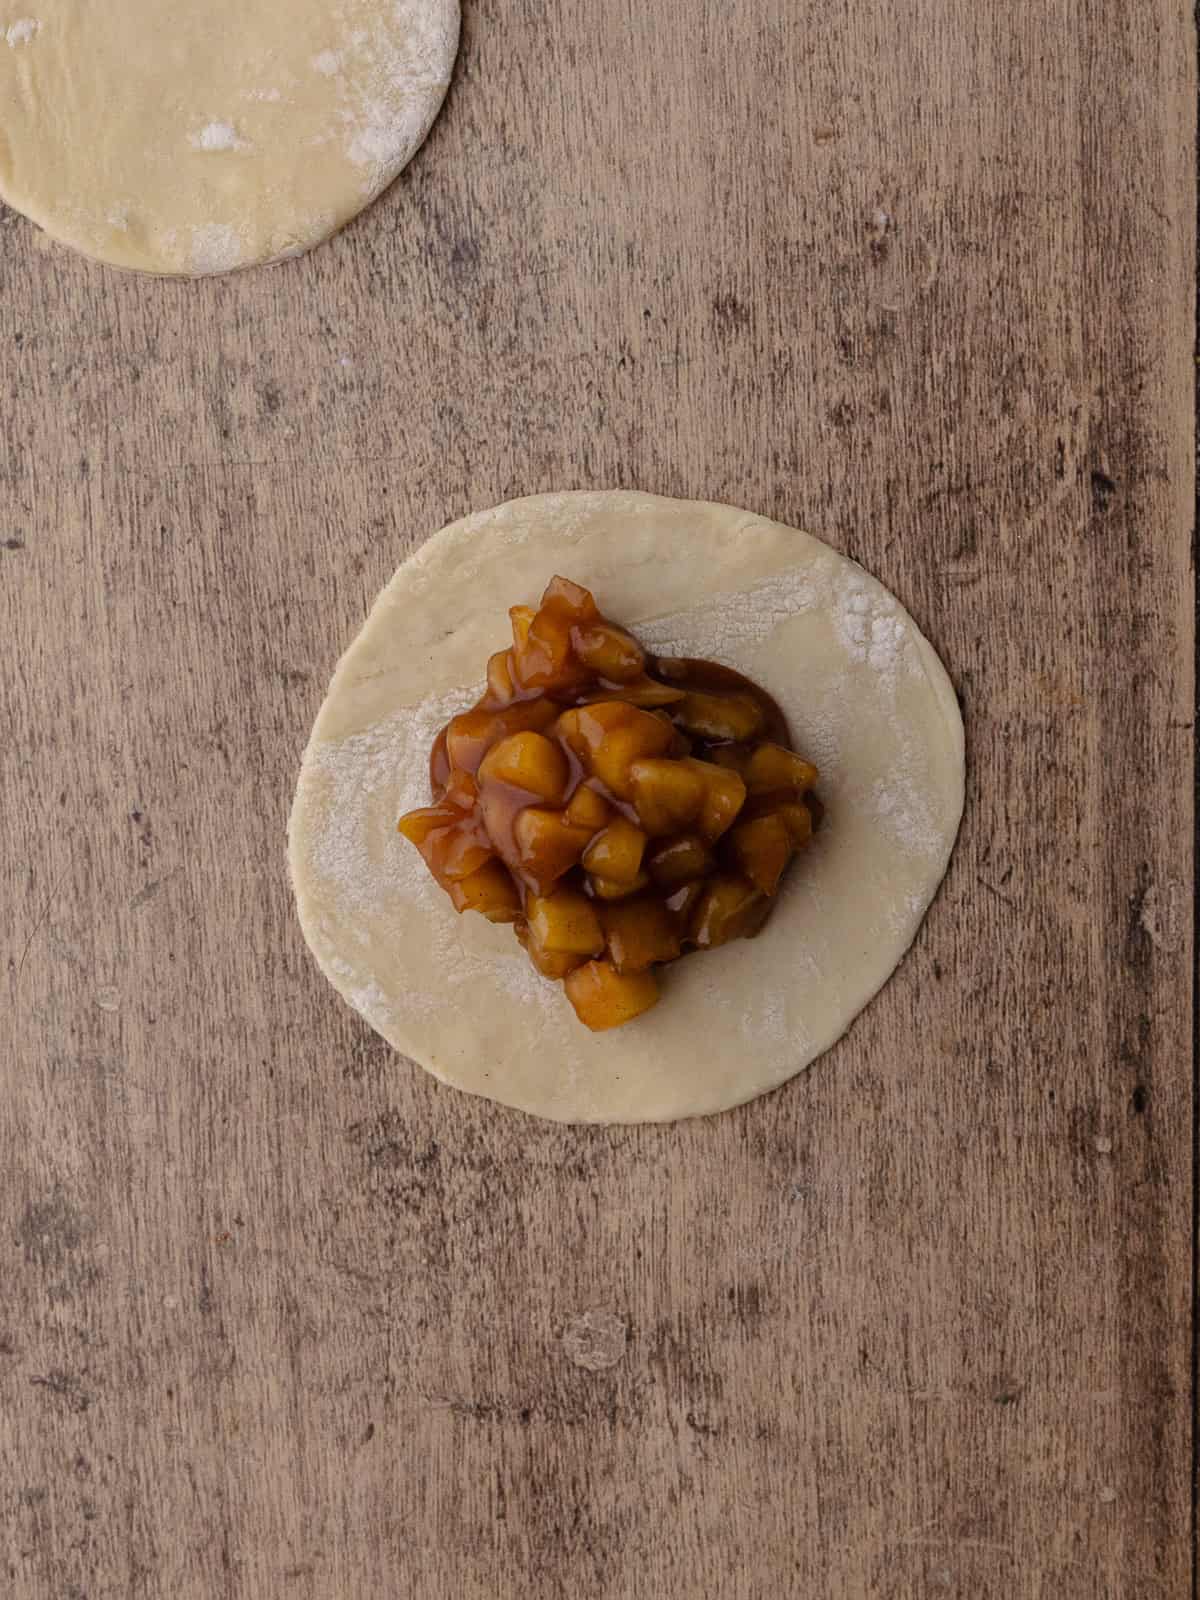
{"x": 610, "y": 736}
{"x": 772, "y": 767}
{"x": 551, "y": 964}
{"x": 798, "y": 820}
{"x": 730, "y": 908}
{"x": 447, "y": 839}
{"x": 639, "y": 933}
{"x": 500, "y": 681}
{"x": 499, "y": 808}
{"x": 527, "y": 761}
{"x": 418, "y": 826}
{"x": 667, "y": 795}
{"x": 734, "y": 756}
{"x": 683, "y": 902}
{"x": 565, "y": 923}
{"x": 719, "y": 716}
{"x": 762, "y": 848}
{"x": 489, "y": 891}
{"x": 461, "y": 790}
{"x": 724, "y": 796}
{"x": 439, "y": 766}
{"x": 544, "y": 659}
{"x": 680, "y": 860}
{"x": 606, "y": 889}
{"x": 586, "y": 809}
{"x": 547, "y": 846}
{"x": 648, "y": 735}
{"x": 544, "y": 643}
{"x": 604, "y": 998}
{"x": 521, "y": 618}
{"x": 471, "y": 734}
{"x": 468, "y": 737}
{"x": 613, "y": 760}
{"x": 583, "y": 727}
{"x": 616, "y": 852}
{"x": 535, "y": 714}
{"x": 610, "y": 652}
{"x": 571, "y": 600}
{"x": 456, "y": 852}
{"x": 647, "y": 694}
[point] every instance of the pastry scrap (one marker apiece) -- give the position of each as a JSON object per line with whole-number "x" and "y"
{"x": 620, "y": 810}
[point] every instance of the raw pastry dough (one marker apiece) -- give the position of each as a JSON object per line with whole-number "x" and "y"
{"x": 198, "y": 138}
{"x": 867, "y": 699}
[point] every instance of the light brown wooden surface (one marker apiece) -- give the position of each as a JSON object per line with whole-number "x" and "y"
{"x": 282, "y": 1317}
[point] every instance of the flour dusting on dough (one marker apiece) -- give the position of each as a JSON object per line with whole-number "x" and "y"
{"x": 392, "y": 760}
{"x": 217, "y": 136}
{"x": 387, "y": 75}
{"x": 901, "y": 810}
{"x": 869, "y": 623}
{"x": 873, "y": 633}
{"x": 867, "y": 619}
{"x": 23, "y": 31}
{"x": 215, "y": 248}
{"x": 378, "y": 775}
{"x": 728, "y": 628}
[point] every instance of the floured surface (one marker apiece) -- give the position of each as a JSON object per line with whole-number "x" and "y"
{"x": 865, "y": 695}
{"x": 205, "y": 138}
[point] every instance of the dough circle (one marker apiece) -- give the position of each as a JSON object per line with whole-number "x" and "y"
{"x": 865, "y": 694}
{"x": 195, "y": 139}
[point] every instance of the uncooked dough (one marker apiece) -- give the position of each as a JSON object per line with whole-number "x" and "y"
{"x": 199, "y": 138}
{"x": 866, "y": 697}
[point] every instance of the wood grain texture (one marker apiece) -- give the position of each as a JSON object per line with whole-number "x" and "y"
{"x": 280, "y": 1316}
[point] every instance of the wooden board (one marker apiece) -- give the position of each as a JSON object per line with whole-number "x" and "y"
{"x": 282, "y": 1317}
